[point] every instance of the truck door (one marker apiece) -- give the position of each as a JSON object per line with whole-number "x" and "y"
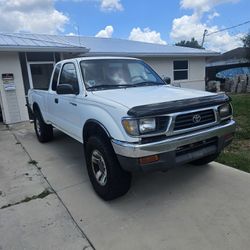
{"x": 66, "y": 114}
{"x": 52, "y": 106}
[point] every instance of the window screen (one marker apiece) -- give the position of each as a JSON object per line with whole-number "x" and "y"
{"x": 181, "y": 70}
{"x": 40, "y": 74}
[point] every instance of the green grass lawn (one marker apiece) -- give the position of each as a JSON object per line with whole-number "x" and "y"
{"x": 237, "y": 155}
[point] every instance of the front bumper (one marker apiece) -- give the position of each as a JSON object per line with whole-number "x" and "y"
{"x": 171, "y": 144}
{"x": 167, "y": 150}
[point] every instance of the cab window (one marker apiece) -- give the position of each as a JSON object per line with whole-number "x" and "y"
{"x": 69, "y": 76}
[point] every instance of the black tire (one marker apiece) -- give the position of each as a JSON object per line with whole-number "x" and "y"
{"x": 44, "y": 132}
{"x": 205, "y": 160}
{"x": 117, "y": 181}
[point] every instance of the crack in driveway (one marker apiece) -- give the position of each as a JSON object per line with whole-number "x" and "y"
{"x": 42, "y": 195}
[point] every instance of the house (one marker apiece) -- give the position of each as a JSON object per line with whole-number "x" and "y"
{"x": 26, "y": 61}
{"x": 231, "y": 63}
{"x": 229, "y": 71}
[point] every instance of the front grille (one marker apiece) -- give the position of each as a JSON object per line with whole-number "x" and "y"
{"x": 162, "y": 123}
{"x": 188, "y": 120}
{"x": 190, "y": 148}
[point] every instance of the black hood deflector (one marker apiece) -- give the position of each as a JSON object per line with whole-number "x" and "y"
{"x": 178, "y": 106}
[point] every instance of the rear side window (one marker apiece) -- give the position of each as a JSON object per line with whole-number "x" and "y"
{"x": 69, "y": 76}
{"x": 55, "y": 77}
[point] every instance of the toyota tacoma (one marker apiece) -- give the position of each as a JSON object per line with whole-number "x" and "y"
{"x": 129, "y": 119}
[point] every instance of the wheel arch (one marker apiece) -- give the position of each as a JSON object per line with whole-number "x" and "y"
{"x": 93, "y": 127}
{"x": 35, "y": 107}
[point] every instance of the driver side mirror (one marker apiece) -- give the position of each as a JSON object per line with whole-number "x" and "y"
{"x": 65, "y": 89}
{"x": 167, "y": 80}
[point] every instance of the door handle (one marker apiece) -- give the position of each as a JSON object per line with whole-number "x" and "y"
{"x": 72, "y": 103}
{"x": 56, "y": 100}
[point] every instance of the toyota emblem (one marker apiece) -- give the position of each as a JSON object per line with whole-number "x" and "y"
{"x": 196, "y": 118}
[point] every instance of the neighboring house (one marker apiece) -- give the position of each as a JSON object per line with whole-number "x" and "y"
{"x": 26, "y": 61}
{"x": 229, "y": 64}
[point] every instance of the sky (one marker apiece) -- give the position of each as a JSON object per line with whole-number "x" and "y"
{"x": 158, "y": 21}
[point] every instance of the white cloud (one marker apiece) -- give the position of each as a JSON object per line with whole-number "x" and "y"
{"x": 201, "y": 6}
{"x": 146, "y": 35}
{"x": 107, "y": 32}
{"x": 111, "y": 5}
{"x": 105, "y": 5}
{"x": 37, "y": 16}
{"x": 188, "y": 26}
{"x": 213, "y": 15}
{"x": 71, "y": 34}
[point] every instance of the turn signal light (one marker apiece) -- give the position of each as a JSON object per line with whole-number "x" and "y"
{"x": 148, "y": 159}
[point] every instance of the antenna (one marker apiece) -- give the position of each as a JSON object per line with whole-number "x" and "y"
{"x": 203, "y": 38}
{"x": 78, "y": 33}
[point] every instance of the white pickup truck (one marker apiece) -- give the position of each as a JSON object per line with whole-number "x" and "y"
{"x": 129, "y": 119}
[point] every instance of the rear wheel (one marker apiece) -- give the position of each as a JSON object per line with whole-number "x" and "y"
{"x": 205, "y": 160}
{"x": 44, "y": 132}
{"x": 108, "y": 179}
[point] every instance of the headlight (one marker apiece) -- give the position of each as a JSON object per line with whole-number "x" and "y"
{"x": 147, "y": 125}
{"x": 225, "y": 110}
{"x": 136, "y": 127}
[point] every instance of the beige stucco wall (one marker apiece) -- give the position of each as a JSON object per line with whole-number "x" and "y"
{"x": 196, "y": 74}
{"x": 12, "y": 102}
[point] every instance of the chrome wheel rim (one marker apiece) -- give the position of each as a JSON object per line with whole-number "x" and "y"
{"x": 99, "y": 167}
{"x": 38, "y": 127}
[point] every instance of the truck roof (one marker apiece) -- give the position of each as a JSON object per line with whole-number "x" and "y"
{"x": 99, "y": 57}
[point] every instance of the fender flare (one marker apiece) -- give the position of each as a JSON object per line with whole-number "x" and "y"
{"x": 96, "y": 123}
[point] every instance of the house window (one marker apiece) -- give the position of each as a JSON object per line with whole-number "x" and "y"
{"x": 181, "y": 70}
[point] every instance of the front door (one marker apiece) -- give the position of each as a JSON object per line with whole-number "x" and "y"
{"x": 65, "y": 108}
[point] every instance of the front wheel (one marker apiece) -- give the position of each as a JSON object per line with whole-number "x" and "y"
{"x": 44, "y": 132}
{"x": 205, "y": 160}
{"x": 108, "y": 179}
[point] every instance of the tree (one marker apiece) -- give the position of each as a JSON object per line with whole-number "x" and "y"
{"x": 191, "y": 44}
{"x": 246, "y": 44}
{"x": 246, "y": 40}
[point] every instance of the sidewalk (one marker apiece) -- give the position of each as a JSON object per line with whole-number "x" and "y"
{"x": 31, "y": 214}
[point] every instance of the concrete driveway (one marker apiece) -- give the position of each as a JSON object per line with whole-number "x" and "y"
{"x": 190, "y": 207}
{"x": 32, "y": 216}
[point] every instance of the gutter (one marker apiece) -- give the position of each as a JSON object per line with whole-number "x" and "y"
{"x": 153, "y": 54}
{"x": 43, "y": 49}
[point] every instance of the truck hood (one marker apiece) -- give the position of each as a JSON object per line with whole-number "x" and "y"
{"x": 131, "y": 97}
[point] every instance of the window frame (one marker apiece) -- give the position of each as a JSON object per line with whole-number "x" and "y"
{"x": 53, "y": 74}
{"x": 178, "y": 70}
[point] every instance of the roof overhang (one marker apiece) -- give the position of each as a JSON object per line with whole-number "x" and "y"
{"x": 135, "y": 54}
{"x": 228, "y": 62}
{"x": 43, "y": 49}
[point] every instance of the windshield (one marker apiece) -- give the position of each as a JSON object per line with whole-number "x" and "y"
{"x": 117, "y": 73}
